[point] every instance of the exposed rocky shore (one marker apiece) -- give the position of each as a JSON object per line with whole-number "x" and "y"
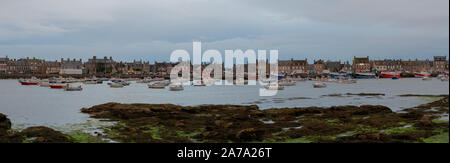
{"x": 227, "y": 123}
{"x": 165, "y": 123}
{"x": 39, "y": 134}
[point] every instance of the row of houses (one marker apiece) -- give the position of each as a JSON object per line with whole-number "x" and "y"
{"x": 364, "y": 64}
{"x": 98, "y": 66}
{"x": 94, "y": 66}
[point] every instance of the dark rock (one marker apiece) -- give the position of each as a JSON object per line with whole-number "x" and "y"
{"x": 5, "y": 123}
{"x": 45, "y": 135}
{"x": 250, "y": 134}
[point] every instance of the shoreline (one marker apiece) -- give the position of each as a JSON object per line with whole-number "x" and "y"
{"x": 166, "y": 123}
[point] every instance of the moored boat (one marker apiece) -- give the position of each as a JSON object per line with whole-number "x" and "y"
{"x": 274, "y": 86}
{"x": 319, "y": 85}
{"x": 71, "y": 88}
{"x": 422, "y": 74}
{"x": 58, "y": 86}
{"x": 157, "y": 86}
{"x": 365, "y": 76}
{"x": 29, "y": 82}
{"x": 390, "y": 75}
{"x": 286, "y": 82}
{"x": 44, "y": 84}
{"x": 116, "y": 85}
{"x": 176, "y": 88}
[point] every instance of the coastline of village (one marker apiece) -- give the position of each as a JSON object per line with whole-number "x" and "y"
{"x": 169, "y": 123}
{"x": 108, "y": 68}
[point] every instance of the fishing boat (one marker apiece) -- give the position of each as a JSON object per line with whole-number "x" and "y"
{"x": 347, "y": 81}
{"x": 395, "y": 78}
{"x": 176, "y": 88}
{"x": 32, "y": 81}
{"x": 339, "y": 75}
{"x": 116, "y": 85}
{"x": 274, "y": 86}
{"x": 157, "y": 86}
{"x": 71, "y": 88}
{"x": 119, "y": 81}
{"x": 58, "y": 86}
{"x": 444, "y": 79}
{"x": 319, "y": 85}
{"x": 422, "y": 74}
{"x": 390, "y": 75}
{"x": 28, "y": 82}
{"x": 365, "y": 76}
{"x": 44, "y": 84}
{"x": 286, "y": 82}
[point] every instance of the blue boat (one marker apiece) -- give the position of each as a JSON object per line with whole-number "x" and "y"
{"x": 339, "y": 76}
{"x": 395, "y": 78}
{"x": 365, "y": 76}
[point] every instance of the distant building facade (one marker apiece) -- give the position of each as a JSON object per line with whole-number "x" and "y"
{"x": 361, "y": 64}
{"x": 293, "y": 66}
{"x": 387, "y": 65}
{"x": 71, "y": 67}
{"x": 100, "y": 66}
{"x": 440, "y": 64}
{"x": 334, "y": 66}
{"x": 4, "y": 64}
{"x": 319, "y": 66}
{"x": 52, "y": 67}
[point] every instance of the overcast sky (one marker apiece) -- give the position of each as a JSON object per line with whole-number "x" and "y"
{"x": 151, "y": 29}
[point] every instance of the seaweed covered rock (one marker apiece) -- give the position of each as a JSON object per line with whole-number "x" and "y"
{"x": 250, "y": 134}
{"x": 42, "y": 134}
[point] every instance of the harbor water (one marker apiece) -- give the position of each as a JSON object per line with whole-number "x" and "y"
{"x": 34, "y": 105}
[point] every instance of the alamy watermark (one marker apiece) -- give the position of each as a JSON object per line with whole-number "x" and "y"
{"x": 260, "y": 68}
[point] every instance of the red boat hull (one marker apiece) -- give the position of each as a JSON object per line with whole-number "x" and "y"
{"x": 390, "y": 75}
{"x": 57, "y": 86}
{"x": 29, "y": 83}
{"x": 422, "y": 75}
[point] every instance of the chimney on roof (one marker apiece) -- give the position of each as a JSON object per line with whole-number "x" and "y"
{"x": 95, "y": 57}
{"x": 105, "y": 58}
{"x": 110, "y": 58}
{"x": 62, "y": 60}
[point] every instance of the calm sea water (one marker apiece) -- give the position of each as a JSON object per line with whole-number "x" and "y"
{"x": 32, "y": 105}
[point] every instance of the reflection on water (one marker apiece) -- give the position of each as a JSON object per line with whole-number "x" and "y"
{"x": 32, "y": 105}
